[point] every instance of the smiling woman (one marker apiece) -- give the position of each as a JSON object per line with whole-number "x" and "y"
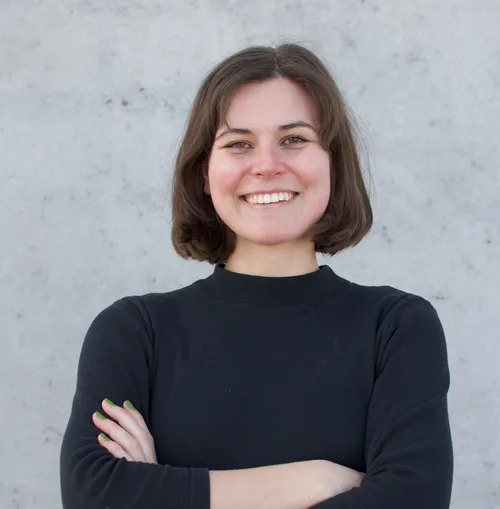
{"x": 274, "y": 382}
{"x": 272, "y": 155}
{"x": 268, "y": 120}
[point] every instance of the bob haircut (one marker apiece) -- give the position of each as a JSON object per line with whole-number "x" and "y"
{"x": 197, "y": 230}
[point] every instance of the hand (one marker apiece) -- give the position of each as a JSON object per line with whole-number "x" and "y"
{"x": 130, "y": 438}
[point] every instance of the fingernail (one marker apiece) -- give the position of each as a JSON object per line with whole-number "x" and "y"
{"x": 129, "y": 405}
{"x": 104, "y": 437}
{"x": 100, "y": 416}
{"x": 109, "y": 402}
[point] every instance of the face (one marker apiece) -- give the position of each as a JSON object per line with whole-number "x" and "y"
{"x": 268, "y": 176}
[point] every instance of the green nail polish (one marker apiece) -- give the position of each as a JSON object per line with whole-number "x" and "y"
{"x": 109, "y": 402}
{"x": 100, "y": 416}
{"x": 129, "y": 405}
{"x": 104, "y": 437}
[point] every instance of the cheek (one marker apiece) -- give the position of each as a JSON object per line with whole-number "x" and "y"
{"x": 224, "y": 178}
{"x": 317, "y": 177}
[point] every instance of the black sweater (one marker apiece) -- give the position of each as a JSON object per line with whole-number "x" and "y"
{"x": 238, "y": 371}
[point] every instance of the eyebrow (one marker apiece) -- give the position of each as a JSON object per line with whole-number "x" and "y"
{"x": 285, "y": 127}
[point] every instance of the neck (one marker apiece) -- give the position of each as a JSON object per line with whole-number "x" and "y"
{"x": 279, "y": 260}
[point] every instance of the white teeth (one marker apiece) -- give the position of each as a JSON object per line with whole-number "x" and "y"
{"x": 269, "y": 198}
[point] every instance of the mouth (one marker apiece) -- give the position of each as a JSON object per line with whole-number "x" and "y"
{"x": 263, "y": 199}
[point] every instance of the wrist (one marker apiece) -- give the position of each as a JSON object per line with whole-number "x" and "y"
{"x": 314, "y": 481}
{"x": 342, "y": 479}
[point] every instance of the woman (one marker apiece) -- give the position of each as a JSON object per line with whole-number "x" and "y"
{"x": 273, "y": 383}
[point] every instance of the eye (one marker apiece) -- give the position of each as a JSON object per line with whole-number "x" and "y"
{"x": 238, "y": 144}
{"x": 294, "y": 140}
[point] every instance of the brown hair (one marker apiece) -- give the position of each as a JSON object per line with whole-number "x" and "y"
{"x": 197, "y": 230}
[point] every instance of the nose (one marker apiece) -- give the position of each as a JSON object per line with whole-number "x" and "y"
{"x": 268, "y": 162}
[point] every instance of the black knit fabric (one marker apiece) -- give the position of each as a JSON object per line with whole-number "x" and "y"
{"x": 238, "y": 371}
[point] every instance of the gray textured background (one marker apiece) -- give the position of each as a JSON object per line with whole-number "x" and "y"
{"x": 93, "y": 100}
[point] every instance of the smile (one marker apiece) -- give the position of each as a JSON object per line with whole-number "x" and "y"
{"x": 269, "y": 198}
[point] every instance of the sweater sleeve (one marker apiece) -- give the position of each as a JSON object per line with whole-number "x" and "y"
{"x": 116, "y": 362}
{"x": 408, "y": 446}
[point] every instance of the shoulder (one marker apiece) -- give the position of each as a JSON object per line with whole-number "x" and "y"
{"x": 387, "y": 305}
{"x": 161, "y": 302}
{"x": 404, "y": 321}
{"x": 384, "y": 297}
{"x": 145, "y": 309}
{"x": 406, "y": 329}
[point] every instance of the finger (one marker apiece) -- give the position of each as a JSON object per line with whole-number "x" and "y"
{"x": 129, "y": 423}
{"x": 125, "y": 419}
{"x": 113, "y": 448}
{"x": 132, "y": 421}
{"x": 148, "y": 443}
{"x": 117, "y": 434}
{"x": 131, "y": 410}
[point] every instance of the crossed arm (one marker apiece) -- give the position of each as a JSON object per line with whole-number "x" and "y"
{"x": 408, "y": 447}
{"x": 289, "y": 486}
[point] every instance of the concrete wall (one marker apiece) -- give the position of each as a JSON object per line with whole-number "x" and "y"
{"x": 93, "y": 99}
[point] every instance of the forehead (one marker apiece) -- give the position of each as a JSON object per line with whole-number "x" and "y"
{"x": 273, "y": 102}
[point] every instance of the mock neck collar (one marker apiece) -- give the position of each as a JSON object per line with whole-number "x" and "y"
{"x": 304, "y": 289}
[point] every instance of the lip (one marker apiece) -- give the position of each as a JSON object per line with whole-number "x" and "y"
{"x": 269, "y": 192}
{"x": 271, "y": 204}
